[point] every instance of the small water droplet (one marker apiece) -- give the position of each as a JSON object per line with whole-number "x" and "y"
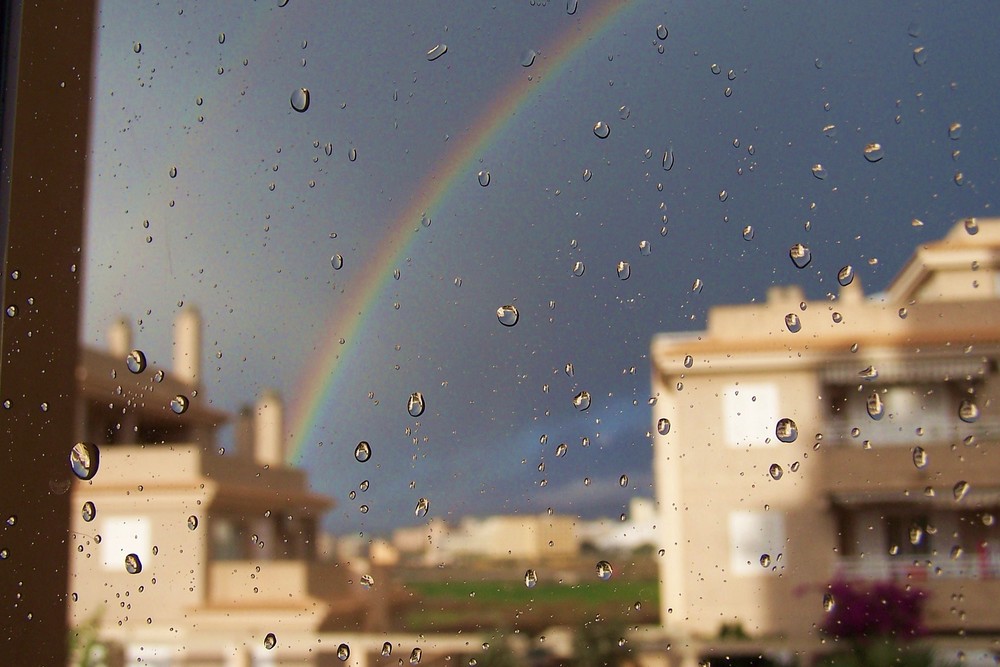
{"x": 343, "y": 652}
{"x": 604, "y": 570}
{"x": 508, "y": 315}
{"x": 960, "y": 489}
{"x": 828, "y": 602}
{"x": 158, "y": 376}
{"x": 624, "y": 112}
{"x": 786, "y": 430}
{"x": 919, "y": 56}
{"x": 663, "y": 426}
{"x": 697, "y": 285}
{"x": 765, "y": 560}
{"x": 587, "y": 175}
{"x": 137, "y": 47}
{"x": 875, "y": 406}
{"x": 602, "y": 130}
{"x": 300, "y": 99}
{"x": 723, "y": 195}
{"x": 362, "y": 452}
{"x": 571, "y": 6}
{"x": 955, "y": 131}
{"x": 12, "y": 311}
{"x": 644, "y": 248}
{"x": 328, "y": 149}
{"x": 919, "y": 458}
{"x": 179, "y": 404}
{"x": 222, "y": 38}
{"x": 437, "y": 51}
{"x": 873, "y": 152}
{"x": 661, "y": 31}
{"x": 846, "y": 275}
{"x": 582, "y": 401}
{"x": 270, "y": 641}
{"x": 132, "y": 564}
{"x": 775, "y": 471}
{"x": 530, "y": 579}
{"x": 337, "y": 262}
{"x": 415, "y": 656}
{"x": 136, "y": 361}
{"x": 870, "y": 373}
{"x": 561, "y": 450}
{"x": 716, "y": 69}
{"x": 623, "y": 481}
{"x": 968, "y": 411}
{"x": 484, "y": 178}
{"x": 793, "y": 323}
{"x": 800, "y": 255}
{"x": 89, "y": 511}
{"x": 579, "y": 268}
{"x": 624, "y": 270}
{"x": 422, "y": 507}
{"x": 971, "y": 226}
{"x": 367, "y": 581}
{"x": 192, "y": 522}
{"x": 84, "y": 460}
{"x": 668, "y": 159}
{"x": 748, "y": 233}
{"x": 830, "y": 130}
{"x": 386, "y": 649}
{"x": 819, "y": 171}
{"x": 528, "y": 57}
{"x": 415, "y": 405}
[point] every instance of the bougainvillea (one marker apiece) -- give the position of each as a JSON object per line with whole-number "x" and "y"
{"x": 882, "y": 609}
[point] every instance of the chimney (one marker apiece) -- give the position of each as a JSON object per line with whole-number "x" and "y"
{"x": 120, "y": 338}
{"x": 268, "y": 432}
{"x": 187, "y": 345}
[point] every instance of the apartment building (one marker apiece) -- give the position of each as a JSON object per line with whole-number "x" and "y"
{"x": 184, "y": 554}
{"x": 800, "y": 442}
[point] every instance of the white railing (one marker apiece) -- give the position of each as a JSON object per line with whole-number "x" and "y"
{"x": 885, "y": 432}
{"x": 918, "y": 568}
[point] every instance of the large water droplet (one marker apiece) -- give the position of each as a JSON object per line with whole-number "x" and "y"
{"x": 136, "y": 361}
{"x": 337, "y": 262}
{"x": 960, "y": 489}
{"x": 870, "y": 373}
{"x": 624, "y": 270}
{"x": 579, "y": 268}
{"x": 507, "y": 315}
{"x": 89, "y": 511}
{"x": 179, "y": 404}
{"x": 132, "y": 564}
{"x": 668, "y": 159}
{"x": 846, "y": 275}
{"x": 528, "y": 57}
{"x": 624, "y": 112}
{"x": 530, "y": 579}
{"x": 819, "y": 171}
{"x": 765, "y": 560}
{"x": 300, "y": 99}
{"x": 604, "y": 570}
{"x": 571, "y": 6}
{"x": 137, "y": 47}
{"x": 386, "y": 649}
{"x": 437, "y": 51}
{"x": 484, "y": 178}
{"x": 602, "y": 130}
{"x": 786, "y": 430}
{"x": 800, "y": 255}
{"x": 968, "y": 411}
{"x": 343, "y": 652}
{"x": 84, "y": 459}
{"x": 723, "y": 195}
{"x": 367, "y": 581}
{"x": 192, "y": 522}
{"x": 173, "y": 172}
{"x": 875, "y": 406}
{"x": 955, "y": 131}
{"x": 561, "y": 450}
{"x": 587, "y": 175}
{"x": 919, "y": 56}
{"x": 775, "y": 471}
{"x": 415, "y": 405}
{"x": 644, "y": 248}
{"x": 582, "y": 401}
{"x": 362, "y": 452}
{"x": 828, "y": 602}
{"x": 270, "y": 641}
{"x": 919, "y": 458}
{"x": 793, "y": 323}
{"x": 623, "y": 481}
{"x": 663, "y": 426}
{"x": 873, "y": 152}
{"x": 971, "y": 226}
{"x": 748, "y": 233}
{"x": 423, "y": 505}
{"x": 661, "y": 31}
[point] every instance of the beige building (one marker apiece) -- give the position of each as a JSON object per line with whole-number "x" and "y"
{"x": 798, "y": 442}
{"x": 182, "y": 554}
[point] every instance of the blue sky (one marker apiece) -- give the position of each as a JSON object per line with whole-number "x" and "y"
{"x": 256, "y": 260}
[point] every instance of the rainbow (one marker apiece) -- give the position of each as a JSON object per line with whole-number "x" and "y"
{"x": 318, "y": 387}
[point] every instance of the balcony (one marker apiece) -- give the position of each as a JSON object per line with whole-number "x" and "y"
{"x": 917, "y": 568}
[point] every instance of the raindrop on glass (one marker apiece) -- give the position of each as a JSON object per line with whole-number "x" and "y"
{"x": 192, "y": 522}
{"x": 793, "y": 323}
{"x": 84, "y": 459}
{"x": 530, "y": 579}
{"x": 352, "y": 154}
{"x": 875, "y": 406}
{"x": 765, "y": 560}
{"x": 343, "y": 652}
{"x": 132, "y": 564}
{"x": 968, "y": 411}
{"x": 136, "y": 361}
{"x": 415, "y": 405}
{"x": 137, "y": 47}
{"x": 960, "y": 489}
{"x": 873, "y": 152}
{"x": 300, "y": 99}
{"x": 582, "y": 401}
{"x": 571, "y": 6}
{"x": 955, "y": 131}
{"x": 587, "y": 175}
{"x": 663, "y": 426}
{"x": 601, "y": 130}
{"x": 919, "y": 55}
{"x": 415, "y": 656}
{"x": 507, "y": 315}
{"x": 337, "y": 262}
{"x": 723, "y": 195}
{"x": 668, "y": 159}
{"x": 604, "y": 570}
{"x": 89, "y": 511}
{"x": 828, "y": 602}
{"x": 579, "y": 268}
{"x": 919, "y": 458}
{"x": 716, "y": 69}
{"x": 179, "y": 404}
{"x": 484, "y": 178}
{"x": 173, "y": 172}
{"x": 624, "y": 270}
{"x": 775, "y": 471}
{"x": 697, "y": 285}
{"x": 222, "y": 38}
{"x": 423, "y": 505}
{"x": 561, "y": 450}
{"x": 367, "y": 581}
{"x": 437, "y": 51}
{"x": 830, "y": 130}
{"x": 623, "y": 481}
{"x": 800, "y": 255}
{"x": 819, "y": 171}
{"x": 748, "y": 233}
{"x": 971, "y": 226}
{"x": 786, "y": 430}
{"x": 270, "y": 641}
{"x": 528, "y": 57}
{"x": 644, "y": 248}
{"x": 328, "y": 149}
{"x": 386, "y": 649}
{"x": 846, "y": 275}
{"x": 362, "y": 452}
{"x": 661, "y": 31}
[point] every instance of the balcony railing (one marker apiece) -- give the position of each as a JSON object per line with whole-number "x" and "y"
{"x": 887, "y": 432}
{"x": 918, "y": 568}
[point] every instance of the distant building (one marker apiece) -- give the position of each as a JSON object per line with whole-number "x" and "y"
{"x": 225, "y": 542}
{"x": 888, "y": 469}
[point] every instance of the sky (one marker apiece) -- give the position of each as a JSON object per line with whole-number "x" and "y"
{"x": 383, "y": 170}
